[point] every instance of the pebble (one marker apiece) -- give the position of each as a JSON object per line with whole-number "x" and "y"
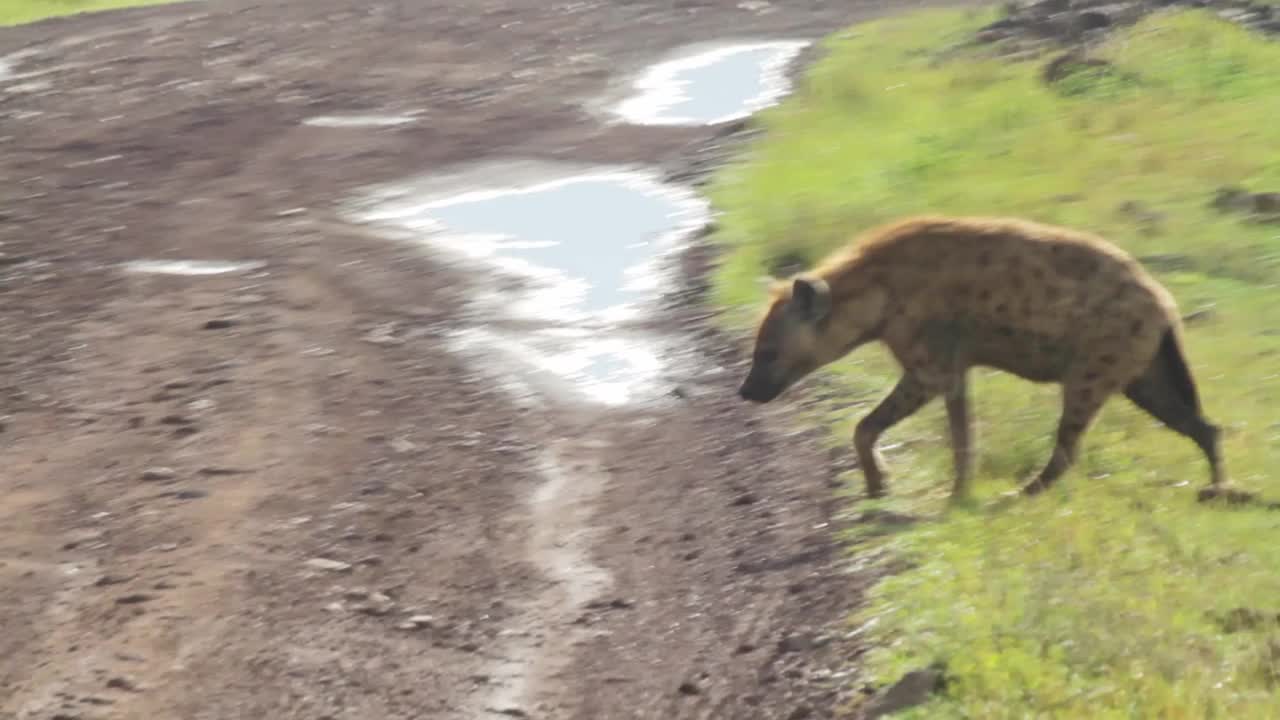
{"x": 689, "y": 687}
{"x": 122, "y": 683}
{"x": 157, "y": 474}
{"x": 378, "y": 605}
{"x": 327, "y": 564}
{"x": 417, "y": 622}
{"x": 106, "y": 580}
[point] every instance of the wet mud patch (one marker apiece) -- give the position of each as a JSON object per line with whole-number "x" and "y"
{"x": 359, "y": 121}
{"x": 709, "y": 84}
{"x": 191, "y": 267}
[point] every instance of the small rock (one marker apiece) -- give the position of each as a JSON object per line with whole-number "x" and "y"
{"x": 215, "y": 470}
{"x": 134, "y": 599}
{"x": 159, "y": 474}
{"x": 417, "y": 622}
{"x": 512, "y": 712}
{"x": 799, "y": 642}
{"x": 107, "y": 580}
{"x": 403, "y": 445}
{"x": 328, "y": 565}
{"x": 913, "y": 688}
{"x": 122, "y": 683}
{"x": 689, "y": 687}
{"x": 378, "y": 605}
{"x": 220, "y": 323}
{"x": 190, "y": 494}
{"x": 1232, "y": 198}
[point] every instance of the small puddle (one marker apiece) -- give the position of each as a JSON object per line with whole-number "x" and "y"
{"x": 359, "y": 121}
{"x": 190, "y": 267}
{"x": 706, "y": 85}
{"x": 585, "y": 247}
{"x": 559, "y": 546}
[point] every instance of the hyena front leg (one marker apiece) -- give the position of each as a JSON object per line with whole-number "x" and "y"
{"x": 960, "y": 425}
{"x": 908, "y": 396}
{"x": 1081, "y": 401}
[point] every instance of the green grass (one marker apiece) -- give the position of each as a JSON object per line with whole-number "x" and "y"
{"x": 17, "y": 12}
{"x": 1096, "y": 599}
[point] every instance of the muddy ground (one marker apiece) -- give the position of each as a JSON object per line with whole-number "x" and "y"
{"x": 183, "y": 454}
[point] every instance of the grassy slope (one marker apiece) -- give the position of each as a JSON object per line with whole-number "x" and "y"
{"x": 15, "y": 12}
{"x": 1090, "y": 601}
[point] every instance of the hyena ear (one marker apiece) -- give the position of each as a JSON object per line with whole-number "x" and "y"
{"x": 810, "y": 298}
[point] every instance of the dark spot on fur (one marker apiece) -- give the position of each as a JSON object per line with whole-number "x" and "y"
{"x": 1090, "y": 376}
{"x": 984, "y": 258}
{"x": 1136, "y": 328}
{"x": 1002, "y": 308}
{"x": 984, "y": 295}
{"x": 1037, "y": 274}
{"x": 1107, "y": 359}
{"x": 1004, "y": 331}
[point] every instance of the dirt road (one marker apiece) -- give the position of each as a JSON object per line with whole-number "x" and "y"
{"x": 275, "y": 493}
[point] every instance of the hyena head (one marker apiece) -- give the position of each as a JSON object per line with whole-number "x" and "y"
{"x": 802, "y": 331}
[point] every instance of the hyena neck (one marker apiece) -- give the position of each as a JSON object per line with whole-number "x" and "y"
{"x": 860, "y": 308}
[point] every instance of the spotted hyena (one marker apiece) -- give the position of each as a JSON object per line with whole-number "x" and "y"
{"x": 944, "y": 294}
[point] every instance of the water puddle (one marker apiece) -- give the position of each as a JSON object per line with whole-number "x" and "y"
{"x": 9, "y": 64}
{"x": 706, "y": 85}
{"x": 190, "y": 267}
{"x": 613, "y": 370}
{"x": 584, "y": 247}
{"x": 359, "y": 121}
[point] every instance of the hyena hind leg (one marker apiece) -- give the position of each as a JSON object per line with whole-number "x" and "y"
{"x": 1166, "y": 399}
{"x": 1080, "y": 405}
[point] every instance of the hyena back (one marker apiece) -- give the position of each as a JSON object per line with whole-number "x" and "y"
{"x": 1045, "y": 303}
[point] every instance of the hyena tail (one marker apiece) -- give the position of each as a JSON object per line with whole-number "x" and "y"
{"x": 1177, "y": 374}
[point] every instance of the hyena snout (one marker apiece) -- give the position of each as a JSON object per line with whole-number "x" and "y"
{"x": 758, "y": 390}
